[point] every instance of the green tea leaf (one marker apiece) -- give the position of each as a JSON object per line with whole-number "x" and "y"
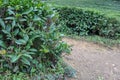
{"x": 2, "y": 23}
{"x": 13, "y": 23}
{"x": 25, "y": 61}
{"x": 15, "y": 58}
{"x": 2, "y": 44}
{"x": 28, "y": 11}
{"x": 16, "y": 32}
{"x": 26, "y": 37}
{"x": 9, "y": 18}
{"x": 33, "y": 50}
{"x": 11, "y": 12}
{"x": 27, "y": 55}
{"x": 20, "y": 42}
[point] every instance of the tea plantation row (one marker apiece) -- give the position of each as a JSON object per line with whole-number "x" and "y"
{"x": 86, "y": 22}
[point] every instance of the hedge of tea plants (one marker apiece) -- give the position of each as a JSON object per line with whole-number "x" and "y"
{"x": 85, "y": 22}
{"x": 29, "y": 39}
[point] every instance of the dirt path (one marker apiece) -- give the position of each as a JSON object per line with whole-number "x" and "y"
{"x": 93, "y": 61}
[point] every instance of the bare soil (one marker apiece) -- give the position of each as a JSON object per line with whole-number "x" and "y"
{"x": 93, "y": 61}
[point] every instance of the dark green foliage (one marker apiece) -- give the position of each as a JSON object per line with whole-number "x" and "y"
{"x": 29, "y": 39}
{"x": 82, "y": 22}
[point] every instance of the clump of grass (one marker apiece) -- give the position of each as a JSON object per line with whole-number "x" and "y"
{"x": 97, "y": 39}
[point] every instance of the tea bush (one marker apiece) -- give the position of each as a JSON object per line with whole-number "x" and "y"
{"x": 83, "y": 22}
{"x": 29, "y": 38}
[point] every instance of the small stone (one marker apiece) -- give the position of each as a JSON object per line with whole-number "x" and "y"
{"x": 113, "y": 65}
{"x": 115, "y": 69}
{"x": 106, "y": 63}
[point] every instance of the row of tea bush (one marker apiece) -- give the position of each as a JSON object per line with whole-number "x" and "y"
{"x": 86, "y": 22}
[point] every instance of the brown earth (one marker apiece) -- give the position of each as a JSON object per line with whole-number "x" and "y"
{"x": 93, "y": 61}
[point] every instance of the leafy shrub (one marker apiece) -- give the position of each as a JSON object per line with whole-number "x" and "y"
{"x": 82, "y": 22}
{"x": 29, "y": 38}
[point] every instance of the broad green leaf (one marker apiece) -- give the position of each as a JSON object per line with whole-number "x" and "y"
{"x": 8, "y": 28}
{"x": 10, "y": 12}
{"x": 16, "y": 32}
{"x": 2, "y": 44}
{"x": 13, "y": 23}
{"x": 20, "y": 27}
{"x": 20, "y": 42}
{"x": 36, "y": 18}
{"x": 33, "y": 50}
{"x": 27, "y": 55}
{"x": 28, "y": 11}
{"x": 2, "y": 23}
{"x": 25, "y": 61}
{"x": 30, "y": 53}
{"x": 9, "y": 18}
{"x": 15, "y": 58}
{"x": 26, "y": 37}
{"x": 5, "y": 31}
{"x": 22, "y": 20}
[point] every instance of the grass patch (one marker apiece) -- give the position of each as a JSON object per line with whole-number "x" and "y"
{"x": 97, "y": 39}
